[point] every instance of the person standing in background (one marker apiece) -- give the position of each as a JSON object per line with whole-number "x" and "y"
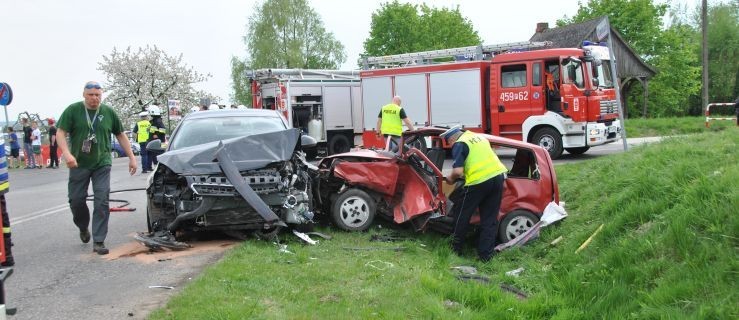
{"x": 53, "y": 156}
{"x": 27, "y": 147}
{"x": 141, "y": 130}
{"x": 36, "y": 145}
{"x": 15, "y": 149}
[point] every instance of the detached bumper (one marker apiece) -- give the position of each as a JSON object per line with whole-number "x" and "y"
{"x": 599, "y": 133}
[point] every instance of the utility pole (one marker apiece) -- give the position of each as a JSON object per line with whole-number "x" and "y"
{"x": 704, "y": 49}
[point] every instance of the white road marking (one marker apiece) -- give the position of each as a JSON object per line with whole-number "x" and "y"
{"x": 39, "y": 214}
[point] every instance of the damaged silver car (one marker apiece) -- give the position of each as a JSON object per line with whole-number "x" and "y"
{"x": 231, "y": 170}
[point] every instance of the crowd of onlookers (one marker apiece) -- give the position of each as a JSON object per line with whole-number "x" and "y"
{"x": 31, "y": 137}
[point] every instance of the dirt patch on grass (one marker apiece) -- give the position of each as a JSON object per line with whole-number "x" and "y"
{"x": 138, "y": 252}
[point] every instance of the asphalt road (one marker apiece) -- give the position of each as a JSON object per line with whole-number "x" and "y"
{"x": 58, "y": 277}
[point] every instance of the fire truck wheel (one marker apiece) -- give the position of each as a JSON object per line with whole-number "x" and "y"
{"x": 578, "y": 150}
{"x": 338, "y": 143}
{"x": 514, "y": 224}
{"x": 549, "y": 139}
{"x": 353, "y": 210}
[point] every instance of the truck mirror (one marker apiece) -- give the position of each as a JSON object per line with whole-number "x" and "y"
{"x": 596, "y": 83}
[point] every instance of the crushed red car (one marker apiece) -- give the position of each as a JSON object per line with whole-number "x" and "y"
{"x": 408, "y": 186}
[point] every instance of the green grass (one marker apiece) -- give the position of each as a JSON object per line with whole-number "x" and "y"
{"x": 638, "y": 127}
{"x": 668, "y": 250}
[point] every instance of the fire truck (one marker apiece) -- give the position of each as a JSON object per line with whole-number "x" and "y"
{"x": 552, "y": 97}
{"x": 325, "y": 104}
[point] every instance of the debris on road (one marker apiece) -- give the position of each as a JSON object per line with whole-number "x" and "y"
{"x": 160, "y": 239}
{"x": 161, "y": 287}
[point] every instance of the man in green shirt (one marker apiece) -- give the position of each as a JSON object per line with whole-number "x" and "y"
{"x": 90, "y": 124}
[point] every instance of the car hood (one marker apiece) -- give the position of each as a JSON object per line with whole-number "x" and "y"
{"x": 248, "y": 153}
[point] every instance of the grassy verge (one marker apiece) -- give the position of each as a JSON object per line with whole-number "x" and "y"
{"x": 638, "y": 127}
{"x": 668, "y": 249}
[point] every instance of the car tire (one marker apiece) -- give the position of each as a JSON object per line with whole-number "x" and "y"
{"x": 578, "y": 150}
{"x": 549, "y": 139}
{"x": 338, "y": 143}
{"x": 514, "y": 224}
{"x": 353, "y": 210}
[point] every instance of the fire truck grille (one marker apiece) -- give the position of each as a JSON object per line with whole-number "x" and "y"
{"x": 608, "y": 107}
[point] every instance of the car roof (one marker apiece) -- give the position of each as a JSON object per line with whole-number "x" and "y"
{"x": 233, "y": 113}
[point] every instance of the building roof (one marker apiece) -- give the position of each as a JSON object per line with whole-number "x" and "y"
{"x": 572, "y": 36}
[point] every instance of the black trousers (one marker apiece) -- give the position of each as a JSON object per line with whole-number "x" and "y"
{"x": 54, "y": 162}
{"x": 484, "y": 197}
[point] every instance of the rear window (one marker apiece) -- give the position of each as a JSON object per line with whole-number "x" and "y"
{"x": 199, "y": 131}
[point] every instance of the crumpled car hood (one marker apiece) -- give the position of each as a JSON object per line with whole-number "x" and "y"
{"x": 248, "y": 153}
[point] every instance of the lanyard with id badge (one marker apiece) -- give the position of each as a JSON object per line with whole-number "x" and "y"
{"x": 90, "y": 140}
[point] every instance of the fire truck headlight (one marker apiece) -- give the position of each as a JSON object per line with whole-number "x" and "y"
{"x": 594, "y": 132}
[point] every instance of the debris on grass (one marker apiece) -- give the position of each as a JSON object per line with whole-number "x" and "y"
{"x": 515, "y": 272}
{"x": 511, "y": 289}
{"x": 283, "y": 249}
{"x": 449, "y": 304}
{"x": 304, "y": 237}
{"x": 374, "y": 248}
{"x": 465, "y": 269}
{"x": 587, "y": 242}
{"x": 556, "y": 241}
{"x": 473, "y": 277}
{"x": 383, "y": 265}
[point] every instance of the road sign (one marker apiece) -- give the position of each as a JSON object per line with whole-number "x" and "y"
{"x": 173, "y": 107}
{"x": 6, "y": 94}
{"x": 601, "y": 31}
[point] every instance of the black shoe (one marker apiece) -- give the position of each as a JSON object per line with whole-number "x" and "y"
{"x": 99, "y": 248}
{"x": 9, "y": 262}
{"x": 85, "y": 236}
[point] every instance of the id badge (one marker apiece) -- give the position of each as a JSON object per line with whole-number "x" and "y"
{"x": 86, "y": 146}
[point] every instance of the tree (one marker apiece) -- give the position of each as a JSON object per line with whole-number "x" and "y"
{"x": 723, "y": 51}
{"x": 638, "y": 21}
{"x": 402, "y": 27}
{"x": 137, "y": 79}
{"x": 285, "y": 34}
{"x": 671, "y": 50}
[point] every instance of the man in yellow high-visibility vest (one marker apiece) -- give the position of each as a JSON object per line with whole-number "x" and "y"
{"x": 477, "y": 163}
{"x": 390, "y": 121}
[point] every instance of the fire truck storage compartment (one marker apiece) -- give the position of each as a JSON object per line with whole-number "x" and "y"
{"x": 412, "y": 89}
{"x": 376, "y": 92}
{"x": 456, "y": 98}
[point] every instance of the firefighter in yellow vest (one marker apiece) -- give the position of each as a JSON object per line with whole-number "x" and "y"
{"x": 390, "y": 121}
{"x": 142, "y": 137}
{"x": 483, "y": 173}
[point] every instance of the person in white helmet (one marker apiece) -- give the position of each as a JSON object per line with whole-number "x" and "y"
{"x": 157, "y": 131}
{"x": 214, "y": 107}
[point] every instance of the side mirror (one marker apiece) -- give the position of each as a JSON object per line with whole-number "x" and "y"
{"x": 307, "y": 141}
{"x": 155, "y": 146}
{"x": 595, "y": 82}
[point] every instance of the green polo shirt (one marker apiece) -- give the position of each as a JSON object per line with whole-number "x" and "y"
{"x": 74, "y": 122}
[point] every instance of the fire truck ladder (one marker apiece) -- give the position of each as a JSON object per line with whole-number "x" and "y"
{"x": 302, "y": 74}
{"x": 475, "y": 52}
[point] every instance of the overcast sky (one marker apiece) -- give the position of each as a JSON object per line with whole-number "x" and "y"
{"x": 50, "y": 48}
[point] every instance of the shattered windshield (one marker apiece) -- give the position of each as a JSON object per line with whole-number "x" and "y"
{"x": 203, "y": 130}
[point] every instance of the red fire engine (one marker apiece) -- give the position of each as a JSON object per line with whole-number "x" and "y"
{"x": 550, "y": 97}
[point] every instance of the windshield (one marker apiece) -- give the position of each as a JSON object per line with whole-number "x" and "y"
{"x": 605, "y": 76}
{"x": 198, "y": 131}
{"x": 573, "y": 73}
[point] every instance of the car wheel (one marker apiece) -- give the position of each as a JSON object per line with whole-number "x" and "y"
{"x": 353, "y": 210}
{"x": 514, "y": 224}
{"x": 578, "y": 150}
{"x": 338, "y": 143}
{"x": 549, "y": 139}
